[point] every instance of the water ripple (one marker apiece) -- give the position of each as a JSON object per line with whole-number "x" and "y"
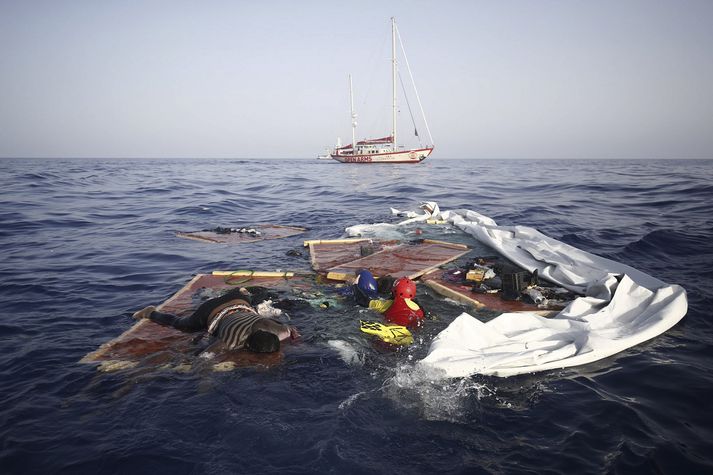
{"x": 86, "y": 242}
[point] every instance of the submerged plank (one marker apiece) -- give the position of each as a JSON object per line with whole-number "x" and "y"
{"x": 492, "y": 301}
{"x": 405, "y": 260}
{"x": 151, "y": 344}
{"x": 327, "y": 254}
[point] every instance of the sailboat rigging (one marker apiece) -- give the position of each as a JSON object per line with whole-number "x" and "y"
{"x": 385, "y": 149}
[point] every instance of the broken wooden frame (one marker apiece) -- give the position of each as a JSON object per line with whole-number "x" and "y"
{"x": 436, "y": 280}
{"x": 403, "y": 260}
{"x": 325, "y": 254}
{"x": 151, "y": 344}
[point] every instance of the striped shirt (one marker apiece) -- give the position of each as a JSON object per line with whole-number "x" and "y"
{"x": 234, "y": 325}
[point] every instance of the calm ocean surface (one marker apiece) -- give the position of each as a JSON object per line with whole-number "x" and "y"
{"x": 84, "y": 243}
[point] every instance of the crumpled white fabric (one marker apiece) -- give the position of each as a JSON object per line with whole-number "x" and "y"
{"x": 266, "y": 309}
{"x": 620, "y": 308}
{"x": 394, "y": 231}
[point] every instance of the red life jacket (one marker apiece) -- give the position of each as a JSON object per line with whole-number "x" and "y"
{"x": 401, "y": 314}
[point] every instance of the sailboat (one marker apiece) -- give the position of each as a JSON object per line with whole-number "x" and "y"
{"x": 384, "y": 149}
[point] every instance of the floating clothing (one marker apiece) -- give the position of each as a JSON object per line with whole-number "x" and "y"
{"x": 235, "y": 327}
{"x": 228, "y": 318}
{"x": 225, "y": 312}
{"x": 404, "y": 312}
{"x": 394, "y": 334}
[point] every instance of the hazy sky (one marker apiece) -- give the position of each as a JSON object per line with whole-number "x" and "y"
{"x": 498, "y": 79}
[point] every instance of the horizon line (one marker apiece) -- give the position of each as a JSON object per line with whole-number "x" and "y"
{"x": 328, "y": 160}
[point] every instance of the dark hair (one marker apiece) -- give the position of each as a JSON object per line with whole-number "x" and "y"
{"x": 262, "y": 342}
{"x": 385, "y": 284}
{"x": 259, "y": 294}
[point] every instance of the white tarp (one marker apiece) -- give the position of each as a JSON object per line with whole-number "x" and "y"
{"x": 621, "y": 307}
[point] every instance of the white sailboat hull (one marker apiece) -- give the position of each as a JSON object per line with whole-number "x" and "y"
{"x": 404, "y": 156}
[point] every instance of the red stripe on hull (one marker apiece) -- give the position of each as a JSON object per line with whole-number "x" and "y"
{"x": 370, "y": 158}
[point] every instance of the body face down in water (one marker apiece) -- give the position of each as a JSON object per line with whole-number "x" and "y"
{"x": 231, "y": 319}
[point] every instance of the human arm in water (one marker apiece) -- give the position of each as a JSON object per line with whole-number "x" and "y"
{"x": 199, "y": 319}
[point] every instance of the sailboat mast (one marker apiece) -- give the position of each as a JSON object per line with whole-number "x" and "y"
{"x": 393, "y": 81}
{"x": 354, "y": 122}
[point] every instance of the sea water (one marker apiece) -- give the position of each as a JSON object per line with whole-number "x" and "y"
{"x": 84, "y": 243}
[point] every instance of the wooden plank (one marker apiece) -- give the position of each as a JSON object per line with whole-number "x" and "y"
{"x": 251, "y": 273}
{"x": 341, "y": 276}
{"x": 406, "y": 260}
{"x": 313, "y": 255}
{"x": 447, "y": 244}
{"x": 334, "y": 241}
{"x": 135, "y": 329}
{"x": 452, "y": 294}
{"x": 152, "y": 344}
{"x": 327, "y": 254}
